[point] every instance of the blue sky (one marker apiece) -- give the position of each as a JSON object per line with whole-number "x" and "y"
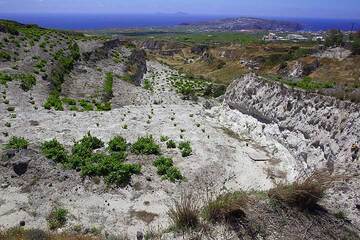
{"x": 285, "y": 8}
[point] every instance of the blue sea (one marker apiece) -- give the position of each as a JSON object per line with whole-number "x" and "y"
{"x": 107, "y": 21}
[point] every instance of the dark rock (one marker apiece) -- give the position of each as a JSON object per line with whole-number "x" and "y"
{"x": 137, "y": 66}
{"x": 21, "y": 166}
{"x": 34, "y": 123}
{"x": 148, "y": 179}
{"x": 207, "y": 105}
{"x": 8, "y": 154}
{"x": 22, "y": 223}
{"x": 139, "y": 236}
{"x": 199, "y": 49}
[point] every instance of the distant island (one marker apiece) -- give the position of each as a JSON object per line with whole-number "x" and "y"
{"x": 244, "y": 23}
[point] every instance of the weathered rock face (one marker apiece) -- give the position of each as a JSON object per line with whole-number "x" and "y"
{"x": 300, "y": 68}
{"x": 104, "y": 51}
{"x": 327, "y": 127}
{"x": 137, "y": 66}
{"x": 199, "y": 49}
{"x": 156, "y": 45}
{"x": 334, "y": 53}
{"x": 319, "y": 131}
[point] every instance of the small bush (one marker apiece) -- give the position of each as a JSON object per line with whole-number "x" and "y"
{"x": 54, "y": 101}
{"x": 69, "y": 101}
{"x": 148, "y": 85}
{"x": 185, "y": 148}
{"x": 117, "y": 144}
{"x": 164, "y": 138}
{"x": 55, "y": 151}
{"x": 226, "y": 207}
{"x": 184, "y": 214}
{"x": 303, "y": 193}
{"x": 145, "y": 145}
{"x": 105, "y": 106}
{"x": 173, "y": 174}
{"x": 27, "y": 81}
{"x": 57, "y": 218}
{"x": 17, "y": 143}
{"x": 108, "y": 86}
{"x": 86, "y": 145}
{"x": 86, "y": 105}
{"x": 4, "y": 78}
{"x": 171, "y": 144}
{"x": 165, "y": 167}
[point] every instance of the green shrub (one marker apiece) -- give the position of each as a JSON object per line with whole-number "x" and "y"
{"x": 54, "y": 101}
{"x": 165, "y": 167}
{"x": 185, "y": 148}
{"x": 308, "y": 83}
{"x": 17, "y": 143}
{"x": 5, "y": 78}
{"x": 171, "y": 144}
{"x": 69, "y": 101}
{"x": 87, "y": 144}
{"x": 117, "y": 144}
{"x": 164, "y": 138}
{"x": 108, "y": 86}
{"x": 4, "y": 56}
{"x": 145, "y": 145}
{"x": 163, "y": 164}
{"x": 334, "y": 38}
{"x": 57, "y": 218}
{"x": 27, "y": 81}
{"x": 105, "y": 106}
{"x": 355, "y": 47}
{"x": 148, "y": 85}
{"x": 173, "y": 174}
{"x": 86, "y": 105}
{"x": 55, "y": 151}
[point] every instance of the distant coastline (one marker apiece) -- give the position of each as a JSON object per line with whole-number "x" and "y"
{"x": 107, "y": 21}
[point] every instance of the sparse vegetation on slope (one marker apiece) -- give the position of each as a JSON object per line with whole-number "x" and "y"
{"x": 17, "y": 143}
{"x": 145, "y": 145}
{"x": 165, "y": 167}
{"x": 303, "y": 193}
{"x": 110, "y": 165}
{"x": 185, "y": 148}
{"x": 184, "y": 213}
{"x": 57, "y": 218}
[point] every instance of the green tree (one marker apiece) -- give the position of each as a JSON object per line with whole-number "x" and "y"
{"x": 334, "y": 38}
{"x": 355, "y": 47}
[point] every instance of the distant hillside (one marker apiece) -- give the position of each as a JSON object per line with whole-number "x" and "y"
{"x": 245, "y": 23}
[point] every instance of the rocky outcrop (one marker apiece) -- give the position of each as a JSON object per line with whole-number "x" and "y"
{"x": 299, "y": 68}
{"x": 104, "y": 51}
{"x": 136, "y": 66}
{"x": 326, "y": 128}
{"x": 319, "y": 131}
{"x": 159, "y": 45}
{"x": 338, "y": 53}
{"x": 199, "y": 49}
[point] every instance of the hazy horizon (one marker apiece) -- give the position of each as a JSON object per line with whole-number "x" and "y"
{"x": 327, "y": 9}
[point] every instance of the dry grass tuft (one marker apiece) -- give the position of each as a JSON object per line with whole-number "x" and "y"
{"x": 184, "y": 214}
{"x": 36, "y": 234}
{"x": 304, "y": 193}
{"x": 226, "y": 207}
